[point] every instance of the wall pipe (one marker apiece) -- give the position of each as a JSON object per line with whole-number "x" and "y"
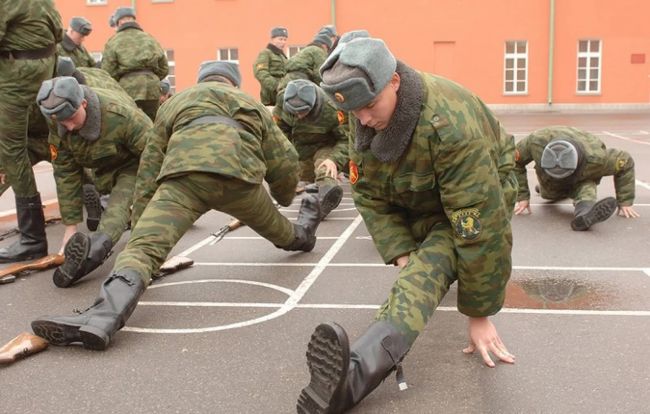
{"x": 333, "y": 12}
{"x": 551, "y": 53}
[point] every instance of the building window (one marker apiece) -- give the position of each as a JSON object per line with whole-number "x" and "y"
{"x": 293, "y": 50}
{"x": 231, "y": 55}
{"x": 171, "y": 77}
{"x": 516, "y": 68}
{"x": 589, "y": 64}
{"x": 95, "y": 2}
{"x": 98, "y": 57}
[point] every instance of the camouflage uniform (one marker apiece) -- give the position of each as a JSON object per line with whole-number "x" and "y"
{"x": 123, "y": 131}
{"x": 77, "y": 53}
{"x": 304, "y": 65}
{"x": 446, "y": 202}
{"x": 597, "y": 162}
{"x": 136, "y": 60}
{"x": 269, "y": 69}
{"x": 190, "y": 168}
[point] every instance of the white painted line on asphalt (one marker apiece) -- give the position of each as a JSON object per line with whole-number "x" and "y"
{"x": 642, "y": 184}
{"x": 647, "y": 272}
{"x": 625, "y": 138}
{"x": 571, "y": 205}
{"x": 644, "y": 132}
{"x": 12, "y": 212}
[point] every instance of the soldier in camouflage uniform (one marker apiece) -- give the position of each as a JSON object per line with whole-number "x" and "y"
{"x": 29, "y": 32}
{"x": 101, "y": 130}
{"x": 72, "y": 44}
{"x": 319, "y": 132}
{"x": 569, "y": 163}
{"x": 213, "y": 147}
{"x": 269, "y": 67}
{"x": 305, "y": 64}
{"x": 136, "y": 60}
{"x": 431, "y": 174}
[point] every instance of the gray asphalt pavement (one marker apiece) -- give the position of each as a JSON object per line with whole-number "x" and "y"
{"x": 229, "y": 334}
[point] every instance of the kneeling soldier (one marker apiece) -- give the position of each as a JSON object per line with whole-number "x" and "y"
{"x": 212, "y": 148}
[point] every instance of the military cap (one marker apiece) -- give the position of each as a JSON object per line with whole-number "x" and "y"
{"x": 354, "y": 34}
{"x": 120, "y": 13}
{"x": 165, "y": 86}
{"x": 300, "y": 96}
{"x": 81, "y": 25}
{"x": 229, "y": 70}
{"x": 60, "y": 98}
{"x": 65, "y": 66}
{"x": 559, "y": 158}
{"x": 323, "y": 39}
{"x": 355, "y": 73}
{"x": 328, "y": 29}
{"x": 279, "y": 32}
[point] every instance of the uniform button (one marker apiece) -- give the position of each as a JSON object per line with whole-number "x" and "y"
{"x": 436, "y": 118}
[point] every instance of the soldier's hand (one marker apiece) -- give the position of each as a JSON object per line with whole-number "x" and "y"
{"x": 522, "y": 206}
{"x": 402, "y": 261}
{"x": 628, "y": 212}
{"x": 330, "y": 168}
{"x": 483, "y": 337}
{"x": 3, "y": 179}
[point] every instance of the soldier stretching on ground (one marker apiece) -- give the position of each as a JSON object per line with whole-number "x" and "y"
{"x": 101, "y": 130}
{"x": 72, "y": 44}
{"x": 136, "y": 60}
{"x": 320, "y": 134}
{"x": 213, "y": 146}
{"x": 269, "y": 67}
{"x": 569, "y": 163}
{"x": 431, "y": 174}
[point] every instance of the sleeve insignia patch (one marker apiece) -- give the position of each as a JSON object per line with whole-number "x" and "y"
{"x": 517, "y": 155}
{"x": 620, "y": 164}
{"x": 53, "y": 152}
{"x": 466, "y": 223}
{"x": 341, "y": 117}
{"x": 354, "y": 172}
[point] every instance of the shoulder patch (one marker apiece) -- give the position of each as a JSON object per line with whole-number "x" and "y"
{"x": 354, "y": 172}
{"x": 466, "y": 223}
{"x": 620, "y": 164}
{"x": 517, "y": 155}
{"x": 53, "y": 152}
{"x": 260, "y": 66}
{"x": 340, "y": 115}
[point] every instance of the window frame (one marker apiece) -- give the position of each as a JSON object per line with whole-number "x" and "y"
{"x": 230, "y": 50}
{"x": 171, "y": 76}
{"x": 588, "y": 55}
{"x": 96, "y": 2}
{"x": 515, "y": 57}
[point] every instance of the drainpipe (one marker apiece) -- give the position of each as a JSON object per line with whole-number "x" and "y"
{"x": 551, "y": 50}
{"x": 133, "y": 6}
{"x": 332, "y": 12}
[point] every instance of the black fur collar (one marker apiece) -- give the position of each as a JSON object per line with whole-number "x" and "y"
{"x": 129, "y": 25}
{"x": 389, "y": 144}
{"x": 68, "y": 44}
{"x": 93, "y": 125}
{"x": 275, "y": 50}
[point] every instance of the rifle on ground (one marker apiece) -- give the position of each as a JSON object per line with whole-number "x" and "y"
{"x": 7, "y": 274}
{"x": 21, "y": 346}
{"x": 221, "y": 233}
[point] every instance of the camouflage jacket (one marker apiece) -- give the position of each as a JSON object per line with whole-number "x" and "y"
{"x": 304, "y": 65}
{"x": 137, "y": 61}
{"x": 326, "y": 126}
{"x": 255, "y": 153}
{"x": 455, "y": 173}
{"x": 77, "y": 53}
{"x": 122, "y": 132}
{"x": 99, "y": 78}
{"x": 29, "y": 25}
{"x": 596, "y": 162}
{"x": 269, "y": 68}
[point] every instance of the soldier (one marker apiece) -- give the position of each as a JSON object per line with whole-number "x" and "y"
{"x": 431, "y": 174}
{"x": 305, "y": 64}
{"x": 569, "y": 163}
{"x": 330, "y": 31}
{"x": 72, "y": 44}
{"x": 269, "y": 67}
{"x": 165, "y": 91}
{"x": 92, "y": 77}
{"x": 101, "y": 130}
{"x": 136, "y": 60}
{"x": 320, "y": 134}
{"x": 212, "y": 148}
{"x": 29, "y": 32}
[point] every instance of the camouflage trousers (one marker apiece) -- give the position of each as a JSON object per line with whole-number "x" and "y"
{"x": 117, "y": 214}
{"x": 584, "y": 191}
{"x": 38, "y": 150}
{"x": 309, "y": 170}
{"x": 20, "y": 80}
{"x": 180, "y": 201}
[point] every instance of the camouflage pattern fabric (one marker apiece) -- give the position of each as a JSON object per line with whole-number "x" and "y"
{"x": 304, "y": 65}
{"x": 255, "y": 153}
{"x": 269, "y": 69}
{"x": 113, "y": 158}
{"x": 181, "y": 200}
{"x": 77, "y": 53}
{"x": 23, "y": 26}
{"x": 99, "y": 78}
{"x": 447, "y": 203}
{"x": 599, "y": 161}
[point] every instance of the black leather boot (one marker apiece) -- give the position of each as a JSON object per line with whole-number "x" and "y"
{"x": 588, "y": 213}
{"x": 93, "y": 206}
{"x": 330, "y": 197}
{"x": 83, "y": 254}
{"x": 341, "y": 378}
{"x": 306, "y": 225}
{"x": 31, "y": 224}
{"x": 95, "y": 326}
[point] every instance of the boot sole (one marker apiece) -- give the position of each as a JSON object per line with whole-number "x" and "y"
{"x": 600, "y": 212}
{"x": 93, "y": 206}
{"x": 61, "y": 334}
{"x": 328, "y": 358}
{"x": 330, "y": 201}
{"x": 75, "y": 252}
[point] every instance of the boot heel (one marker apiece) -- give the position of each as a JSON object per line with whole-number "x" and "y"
{"x": 94, "y": 338}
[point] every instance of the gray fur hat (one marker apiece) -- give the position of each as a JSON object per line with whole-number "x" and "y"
{"x": 229, "y": 70}
{"x": 65, "y": 66}
{"x": 559, "y": 158}
{"x": 81, "y": 25}
{"x": 60, "y": 98}
{"x": 354, "y": 34}
{"x": 121, "y": 12}
{"x": 165, "y": 86}
{"x": 328, "y": 29}
{"x": 279, "y": 31}
{"x": 300, "y": 96}
{"x": 356, "y": 72}
{"x": 323, "y": 39}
